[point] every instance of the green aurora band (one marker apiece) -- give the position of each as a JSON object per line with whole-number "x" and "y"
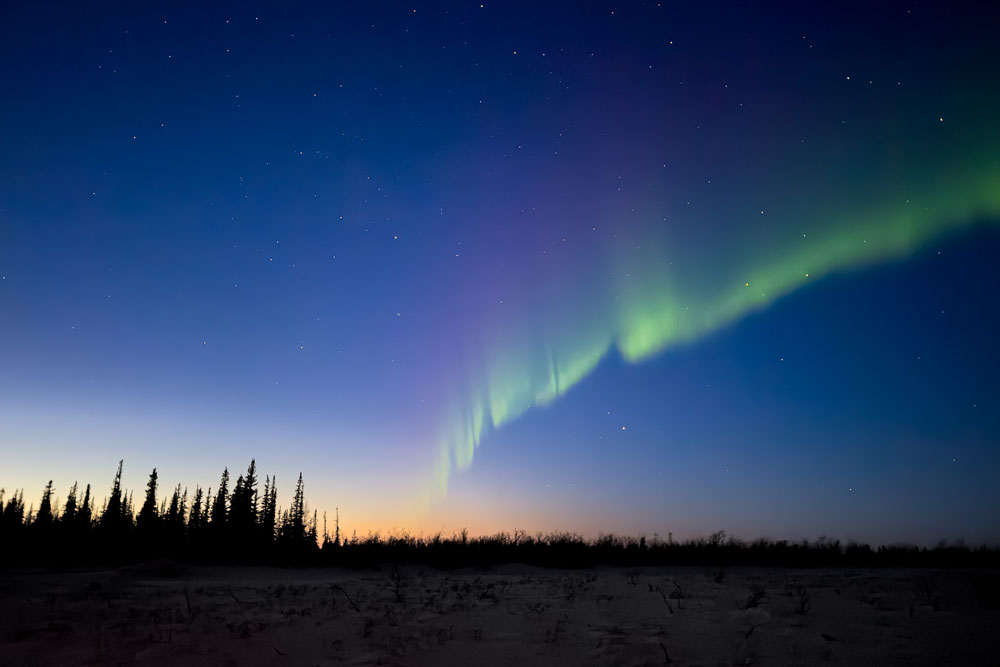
{"x": 662, "y": 305}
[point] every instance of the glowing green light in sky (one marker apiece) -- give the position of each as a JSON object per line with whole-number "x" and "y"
{"x": 661, "y": 304}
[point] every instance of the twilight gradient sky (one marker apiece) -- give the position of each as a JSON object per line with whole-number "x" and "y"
{"x": 645, "y": 267}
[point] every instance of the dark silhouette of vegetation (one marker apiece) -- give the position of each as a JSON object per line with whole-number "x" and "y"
{"x": 243, "y": 526}
{"x": 44, "y": 519}
{"x": 147, "y": 520}
{"x": 225, "y": 527}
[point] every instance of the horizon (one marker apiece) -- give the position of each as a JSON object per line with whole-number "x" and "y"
{"x": 638, "y": 270}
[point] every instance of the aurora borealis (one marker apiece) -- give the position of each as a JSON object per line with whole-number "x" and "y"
{"x": 503, "y": 266}
{"x": 642, "y": 320}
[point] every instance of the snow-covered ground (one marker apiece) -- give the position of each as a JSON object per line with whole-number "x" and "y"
{"x": 177, "y": 615}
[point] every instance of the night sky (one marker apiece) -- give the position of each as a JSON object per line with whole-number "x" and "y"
{"x": 636, "y": 268}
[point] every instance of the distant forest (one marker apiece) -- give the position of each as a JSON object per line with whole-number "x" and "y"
{"x": 243, "y": 525}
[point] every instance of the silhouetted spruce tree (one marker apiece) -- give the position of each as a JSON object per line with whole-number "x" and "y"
{"x": 182, "y": 507}
{"x": 44, "y": 519}
{"x": 297, "y": 512}
{"x": 112, "y": 544}
{"x": 172, "y": 523}
{"x": 312, "y": 535}
{"x": 266, "y": 496}
{"x": 128, "y": 512}
{"x": 85, "y": 515}
{"x": 237, "y": 520}
{"x": 218, "y": 520}
{"x": 284, "y": 528}
{"x": 294, "y": 534}
{"x": 243, "y": 508}
{"x": 243, "y": 514}
{"x": 68, "y": 517}
{"x": 206, "y": 508}
{"x": 111, "y": 517}
{"x": 236, "y": 503}
{"x": 331, "y": 544}
{"x": 170, "y": 516}
{"x": 194, "y": 518}
{"x": 268, "y": 512}
{"x": 145, "y": 523}
{"x": 250, "y": 487}
{"x": 42, "y": 526}
{"x": 13, "y": 512}
{"x": 217, "y": 545}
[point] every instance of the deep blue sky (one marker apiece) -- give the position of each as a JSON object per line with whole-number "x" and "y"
{"x": 437, "y": 256}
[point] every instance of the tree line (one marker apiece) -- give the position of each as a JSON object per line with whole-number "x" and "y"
{"x": 241, "y": 523}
